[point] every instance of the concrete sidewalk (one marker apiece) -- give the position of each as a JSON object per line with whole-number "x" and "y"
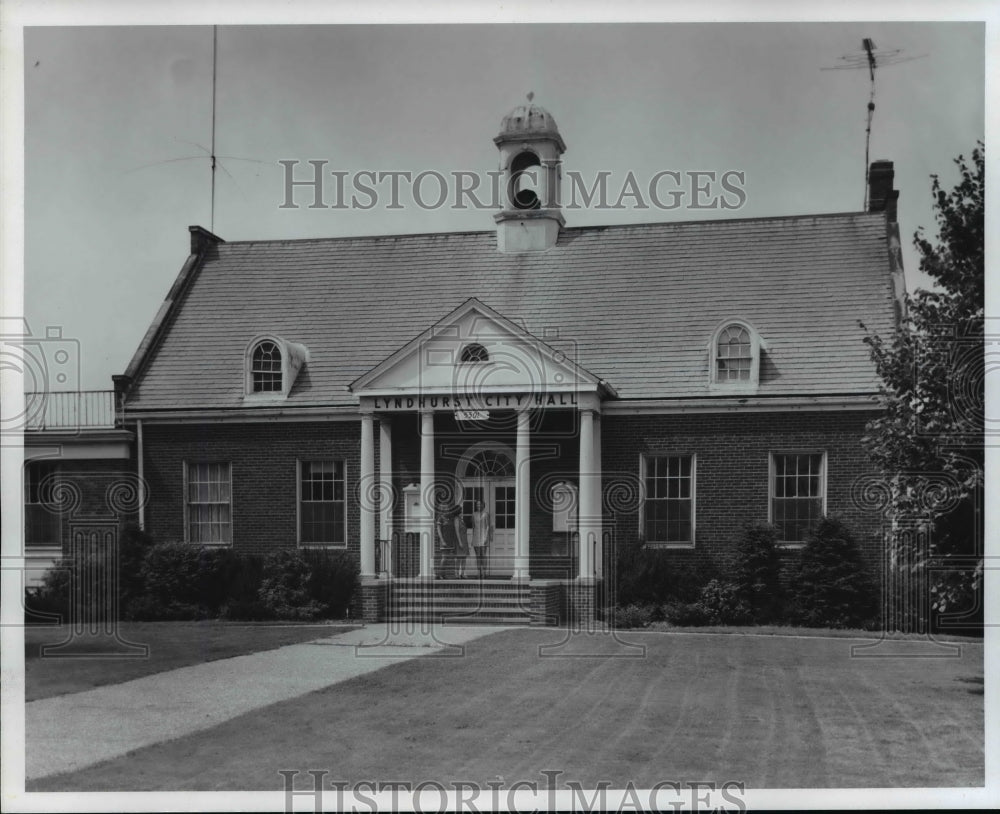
{"x": 69, "y": 732}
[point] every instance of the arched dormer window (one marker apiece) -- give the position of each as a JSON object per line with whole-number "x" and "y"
{"x": 734, "y": 356}
{"x": 265, "y": 368}
{"x": 474, "y": 352}
{"x": 271, "y": 366}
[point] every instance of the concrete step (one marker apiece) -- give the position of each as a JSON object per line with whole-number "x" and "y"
{"x": 465, "y": 619}
{"x": 453, "y": 593}
{"x": 465, "y": 601}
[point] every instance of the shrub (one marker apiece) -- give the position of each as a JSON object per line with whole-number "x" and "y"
{"x": 242, "y": 600}
{"x": 52, "y": 596}
{"x": 133, "y": 545}
{"x": 285, "y": 588}
{"x": 170, "y": 573}
{"x": 654, "y": 576}
{"x": 631, "y": 616}
{"x": 333, "y": 581}
{"x": 723, "y": 604}
{"x": 185, "y": 581}
{"x": 757, "y": 571}
{"x": 832, "y": 587}
{"x": 90, "y": 572}
{"x": 685, "y": 614}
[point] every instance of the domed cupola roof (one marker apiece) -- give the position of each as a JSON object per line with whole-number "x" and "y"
{"x": 529, "y": 121}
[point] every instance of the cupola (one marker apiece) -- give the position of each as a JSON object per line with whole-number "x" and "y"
{"x": 531, "y": 151}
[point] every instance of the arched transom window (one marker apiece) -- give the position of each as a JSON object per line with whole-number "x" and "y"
{"x": 733, "y": 354}
{"x": 490, "y": 463}
{"x": 265, "y": 368}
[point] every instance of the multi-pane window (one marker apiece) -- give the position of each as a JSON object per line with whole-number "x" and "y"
{"x": 669, "y": 505}
{"x": 734, "y": 355}
{"x": 470, "y": 496}
{"x": 490, "y": 464}
{"x": 322, "y": 509}
{"x": 474, "y": 352}
{"x": 505, "y": 507}
{"x": 42, "y": 520}
{"x": 265, "y": 368}
{"x": 209, "y": 503}
{"x": 798, "y": 491}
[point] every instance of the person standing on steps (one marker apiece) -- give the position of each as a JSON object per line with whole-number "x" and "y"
{"x": 462, "y": 543}
{"x": 447, "y": 537}
{"x": 482, "y": 535}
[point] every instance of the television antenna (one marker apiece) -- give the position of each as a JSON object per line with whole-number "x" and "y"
{"x": 208, "y": 152}
{"x": 872, "y": 58}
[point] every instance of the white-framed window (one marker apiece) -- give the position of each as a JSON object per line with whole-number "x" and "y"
{"x": 271, "y": 367}
{"x": 208, "y": 503}
{"x": 667, "y": 515}
{"x": 265, "y": 368}
{"x": 42, "y": 519}
{"x": 734, "y": 356}
{"x": 797, "y": 494}
{"x": 322, "y": 503}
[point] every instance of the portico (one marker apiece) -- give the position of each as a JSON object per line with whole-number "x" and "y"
{"x": 512, "y": 396}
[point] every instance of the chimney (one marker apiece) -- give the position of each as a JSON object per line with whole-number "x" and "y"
{"x": 202, "y": 239}
{"x": 881, "y": 196}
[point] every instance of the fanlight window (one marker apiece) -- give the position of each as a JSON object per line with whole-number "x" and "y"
{"x": 265, "y": 368}
{"x": 474, "y": 352}
{"x": 490, "y": 464}
{"x": 734, "y": 354}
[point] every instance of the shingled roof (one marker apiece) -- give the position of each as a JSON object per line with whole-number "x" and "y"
{"x": 640, "y": 301}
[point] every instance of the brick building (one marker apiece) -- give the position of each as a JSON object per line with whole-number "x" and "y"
{"x": 666, "y": 381}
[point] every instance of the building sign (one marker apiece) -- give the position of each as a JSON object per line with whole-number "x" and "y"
{"x": 472, "y": 415}
{"x": 474, "y": 404}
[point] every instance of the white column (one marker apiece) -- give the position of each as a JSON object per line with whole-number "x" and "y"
{"x": 367, "y": 481}
{"x": 522, "y": 495}
{"x": 427, "y": 494}
{"x": 586, "y": 522}
{"x": 385, "y": 505}
{"x": 598, "y": 497}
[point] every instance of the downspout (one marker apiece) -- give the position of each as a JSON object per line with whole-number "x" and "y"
{"x": 139, "y": 471}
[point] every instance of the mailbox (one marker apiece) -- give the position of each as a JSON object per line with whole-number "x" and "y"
{"x": 413, "y": 509}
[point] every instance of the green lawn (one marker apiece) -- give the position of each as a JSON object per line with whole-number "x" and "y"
{"x": 768, "y": 711}
{"x": 171, "y": 645}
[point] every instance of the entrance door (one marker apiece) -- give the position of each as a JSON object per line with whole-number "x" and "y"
{"x": 497, "y": 495}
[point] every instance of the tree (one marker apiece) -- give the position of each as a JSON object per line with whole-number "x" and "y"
{"x": 928, "y": 444}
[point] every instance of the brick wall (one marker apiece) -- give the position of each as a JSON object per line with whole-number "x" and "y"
{"x": 263, "y": 464}
{"x": 733, "y": 464}
{"x": 731, "y": 483}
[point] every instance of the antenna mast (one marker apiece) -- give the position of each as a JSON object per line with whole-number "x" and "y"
{"x": 869, "y": 47}
{"x": 871, "y": 58}
{"x": 215, "y": 62}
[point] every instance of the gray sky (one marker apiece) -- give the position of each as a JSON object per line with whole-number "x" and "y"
{"x": 109, "y": 111}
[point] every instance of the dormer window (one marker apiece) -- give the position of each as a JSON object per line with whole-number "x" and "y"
{"x": 272, "y": 365}
{"x": 734, "y": 356}
{"x": 265, "y": 370}
{"x": 474, "y": 352}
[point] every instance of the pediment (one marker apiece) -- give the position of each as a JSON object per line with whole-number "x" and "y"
{"x": 516, "y": 361}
